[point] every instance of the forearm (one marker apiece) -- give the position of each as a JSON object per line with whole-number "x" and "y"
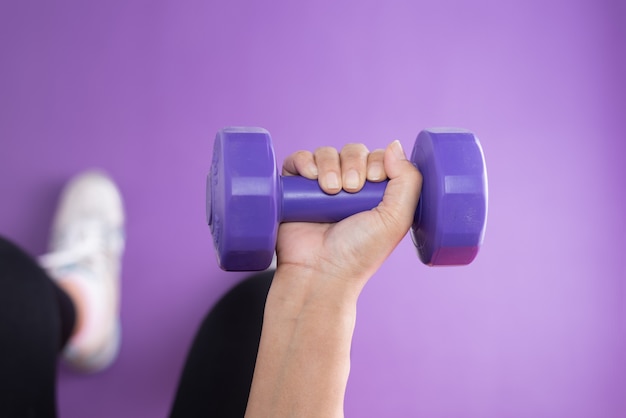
{"x": 304, "y": 355}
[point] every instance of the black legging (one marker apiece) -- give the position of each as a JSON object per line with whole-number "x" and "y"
{"x": 36, "y": 319}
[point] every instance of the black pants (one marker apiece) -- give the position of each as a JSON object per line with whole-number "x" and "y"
{"x": 37, "y": 317}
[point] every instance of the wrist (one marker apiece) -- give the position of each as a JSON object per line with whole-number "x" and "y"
{"x": 303, "y": 289}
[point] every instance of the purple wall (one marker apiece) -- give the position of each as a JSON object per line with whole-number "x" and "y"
{"x": 536, "y": 327}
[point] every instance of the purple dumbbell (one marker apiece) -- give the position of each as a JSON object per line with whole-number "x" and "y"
{"x": 247, "y": 198}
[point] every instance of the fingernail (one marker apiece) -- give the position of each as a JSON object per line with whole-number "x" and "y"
{"x": 352, "y": 180}
{"x": 375, "y": 172}
{"x": 398, "y": 152}
{"x": 313, "y": 169}
{"x": 332, "y": 181}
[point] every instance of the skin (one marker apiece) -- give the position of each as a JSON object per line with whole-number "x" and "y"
{"x": 75, "y": 294}
{"x": 303, "y": 361}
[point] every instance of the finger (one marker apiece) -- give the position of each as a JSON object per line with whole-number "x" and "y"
{"x": 402, "y": 191}
{"x": 375, "y": 166}
{"x": 301, "y": 163}
{"x": 329, "y": 169}
{"x": 353, "y": 166}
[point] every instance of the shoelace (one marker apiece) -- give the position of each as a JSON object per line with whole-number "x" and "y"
{"x": 86, "y": 239}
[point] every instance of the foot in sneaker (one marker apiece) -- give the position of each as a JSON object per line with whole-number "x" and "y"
{"x": 87, "y": 243}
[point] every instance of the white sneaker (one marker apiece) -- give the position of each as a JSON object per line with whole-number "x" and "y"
{"x": 87, "y": 242}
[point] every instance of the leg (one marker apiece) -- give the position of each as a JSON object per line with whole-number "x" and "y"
{"x": 36, "y": 320}
{"x": 77, "y": 312}
{"x": 87, "y": 245}
{"x": 218, "y": 373}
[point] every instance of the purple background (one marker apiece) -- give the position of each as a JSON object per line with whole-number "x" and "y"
{"x": 536, "y": 327}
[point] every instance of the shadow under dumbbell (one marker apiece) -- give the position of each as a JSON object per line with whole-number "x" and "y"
{"x": 217, "y": 376}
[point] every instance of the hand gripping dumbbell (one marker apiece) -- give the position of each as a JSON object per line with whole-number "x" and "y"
{"x": 247, "y": 199}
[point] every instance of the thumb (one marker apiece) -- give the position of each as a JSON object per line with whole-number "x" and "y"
{"x": 402, "y": 191}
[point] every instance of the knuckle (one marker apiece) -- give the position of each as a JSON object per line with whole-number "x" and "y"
{"x": 355, "y": 150}
{"x": 376, "y": 156}
{"x": 326, "y": 157}
{"x": 354, "y": 155}
{"x": 302, "y": 156}
{"x": 325, "y": 150}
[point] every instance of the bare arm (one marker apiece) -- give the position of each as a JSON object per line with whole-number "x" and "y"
{"x": 304, "y": 356}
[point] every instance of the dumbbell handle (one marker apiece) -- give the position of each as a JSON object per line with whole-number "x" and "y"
{"x": 304, "y": 201}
